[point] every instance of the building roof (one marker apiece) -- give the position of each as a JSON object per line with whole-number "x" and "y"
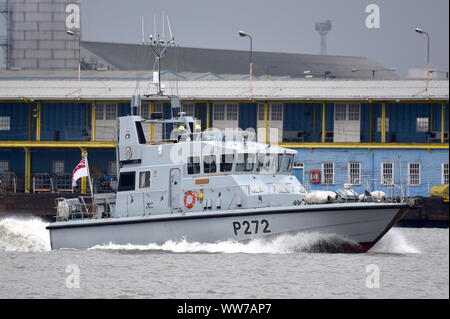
{"x": 109, "y": 87}
{"x": 232, "y": 62}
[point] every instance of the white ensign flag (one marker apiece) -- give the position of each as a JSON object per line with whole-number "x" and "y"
{"x": 79, "y": 171}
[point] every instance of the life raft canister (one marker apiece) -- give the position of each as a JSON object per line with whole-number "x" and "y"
{"x": 314, "y": 176}
{"x": 189, "y": 199}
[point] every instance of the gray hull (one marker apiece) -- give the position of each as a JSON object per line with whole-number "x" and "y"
{"x": 362, "y": 223}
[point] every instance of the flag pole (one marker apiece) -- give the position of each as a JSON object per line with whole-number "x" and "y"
{"x": 89, "y": 174}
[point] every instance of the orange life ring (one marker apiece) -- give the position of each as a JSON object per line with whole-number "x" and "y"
{"x": 314, "y": 176}
{"x": 190, "y": 203}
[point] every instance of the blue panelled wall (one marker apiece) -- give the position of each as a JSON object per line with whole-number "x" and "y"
{"x": 65, "y": 121}
{"x": 371, "y": 167}
{"x": 17, "y": 116}
{"x": 71, "y": 121}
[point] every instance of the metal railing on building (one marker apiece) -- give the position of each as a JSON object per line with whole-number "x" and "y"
{"x": 105, "y": 133}
{"x": 42, "y": 183}
{"x": 8, "y": 182}
{"x": 77, "y": 133}
{"x": 62, "y": 182}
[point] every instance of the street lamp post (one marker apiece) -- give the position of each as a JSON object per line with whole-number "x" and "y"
{"x": 420, "y": 31}
{"x": 73, "y": 34}
{"x": 427, "y": 71}
{"x": 245, "y": 34}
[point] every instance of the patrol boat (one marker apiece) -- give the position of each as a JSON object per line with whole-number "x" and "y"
{"x": 207, "y": 187}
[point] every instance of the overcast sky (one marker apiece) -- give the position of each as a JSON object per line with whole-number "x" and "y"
{"x": 283, "y": 26}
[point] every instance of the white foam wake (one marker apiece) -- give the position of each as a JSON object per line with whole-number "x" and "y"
{"x": 24, "y": 235}
{"x": 394, "y": 242}
{"x": 282, "y": 244}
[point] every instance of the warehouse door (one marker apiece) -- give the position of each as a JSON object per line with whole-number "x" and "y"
{"x": 106, "y": 122}
{"x": 347, "y": 122}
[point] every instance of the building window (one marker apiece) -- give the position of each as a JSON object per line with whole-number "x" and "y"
{"x": 354, "y": 173}
{"x": 5, "y": 123}
{"x": 347, "y": 112}
{"x": 340, "y": 113}
{"x": 145, "y": 111}
{"x": 422, "y": 124}
{"x": 353, "y": 112}
{"x": 414, "y": 174}
{"x": 379, "y": 124}
{"x": 112, "y": 168}
{"x": 106, "y": 111}
{"x": 4, "y": 166}
{"x": 328, "y": 173}
{"x": 58, "y": 167}
{"x": 158, "y": 108}
{"x": 99, "y": 111}
{"x": 111, "y": 112}
{"x": 188, "y": 109}
{"x": 387, "y": 173}
{"x": 193, "y": 165}
{"x": 232, "y": 112}
{"x": 276, "y": 112}
{"x": 260, "y": 112}
{"x": 219, "y": 112}
{"x": 144, "y": 179}
{"x": 444, "y": 173}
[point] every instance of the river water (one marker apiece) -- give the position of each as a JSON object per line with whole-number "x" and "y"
{"x": 406, "y": 263}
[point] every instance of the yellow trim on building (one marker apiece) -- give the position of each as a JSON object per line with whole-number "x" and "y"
{"x": 208, "y": 114}
{"x": 94, "y": 122}
{"x": 365, "y": 145}
{"x": 383, "y": 123}
{"x": 324, "y": 122}
{"x": 38, "y": 121}
{"x": 27, "y": 170}
{"x": 111, "y": 144}
{"x": 443, "y": 123}
{"x": 266, "y": 123}
{"x": 58, "y": 144}
{"x": 152, "y": 126}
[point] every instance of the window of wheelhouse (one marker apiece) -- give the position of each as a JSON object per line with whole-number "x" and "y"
{"x": 193, "y": 165}
{"x": 209, "y": 164}
{"x": 245, "y": 162}
{"x": 226, "y": 162}
{"x": 285, "y": 163}
{"x": 127, "y": 181}
{"x": 266, "y": 163}
{"x": 144, "y": 179}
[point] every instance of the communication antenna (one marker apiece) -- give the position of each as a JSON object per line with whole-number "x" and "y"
{"x": 162, "y": 22}
{"x": 159, "y": 46}
{"x": 170, "y": 29}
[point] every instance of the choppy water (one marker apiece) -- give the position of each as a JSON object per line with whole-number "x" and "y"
{"x": 411, "y": 263}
